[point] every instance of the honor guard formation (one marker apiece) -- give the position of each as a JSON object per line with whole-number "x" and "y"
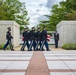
{"x": 34, "y": 40}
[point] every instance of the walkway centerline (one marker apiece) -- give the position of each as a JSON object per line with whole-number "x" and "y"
{"x": 38, "y": 65}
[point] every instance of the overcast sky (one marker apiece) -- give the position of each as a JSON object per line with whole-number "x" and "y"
{"x": 37, "y": 9}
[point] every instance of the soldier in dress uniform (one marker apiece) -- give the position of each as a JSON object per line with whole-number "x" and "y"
{"x": 25, "y": 39}
{"x": 32, "y": 38}
{"x": 56, "y": 38}
{"x": 8, "y": 38}
{"x": 44, "y": 39}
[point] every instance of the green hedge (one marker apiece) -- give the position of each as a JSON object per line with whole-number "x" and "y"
{"x": 1, "y": 47}
{"x": 69, "y": 46}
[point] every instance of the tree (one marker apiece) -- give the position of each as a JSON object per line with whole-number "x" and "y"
{"x": 69, "y": 4}
{"x": 58, "y": 13}
{"x": 42, "y": 24}
{"x": 71, "y": 15}
{"x": 65, "y": 11}
{"x": 70, "y": 9}
{"x": 2, "y": 16}
{"x": 13, "y": 10}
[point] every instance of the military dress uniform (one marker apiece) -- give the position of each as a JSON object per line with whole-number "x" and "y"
{"x": 44, "y": 40}
{"x": 32, "y": 38}
{"x": 38, "y": 40}
{"x": 56, "y": 38}
{"x": 26, "y": 38}
{"x": 8, "y": 38}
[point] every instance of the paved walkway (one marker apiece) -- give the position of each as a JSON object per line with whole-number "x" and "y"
{"x": 52, "y": 47}
{"x": 59, "y": 62}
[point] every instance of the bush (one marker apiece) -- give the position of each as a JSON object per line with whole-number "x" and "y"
{"x": 69, "y": 46}
{"x": 1, "y": 47}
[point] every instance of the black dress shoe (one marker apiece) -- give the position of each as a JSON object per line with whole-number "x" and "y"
{"x": 4, "y": 49}
{"x": 48, "y": 50}
{"x": 12, "y": 50}
{"x": 43, "y": 49}
{"x": 35, "y": 49}
{"x": 22, "y": 50}
{"x": 29, "y": 50}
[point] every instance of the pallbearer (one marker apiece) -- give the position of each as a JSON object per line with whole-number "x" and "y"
{"x": 32, "y": 37}
{"x": 38, "y": 39}
{"x": 25, "y": 39}
{"x": 44, "y": 39}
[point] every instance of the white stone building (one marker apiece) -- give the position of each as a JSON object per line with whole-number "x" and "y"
{"x": 67, "y": 32}
{"x": 15, "y": 32}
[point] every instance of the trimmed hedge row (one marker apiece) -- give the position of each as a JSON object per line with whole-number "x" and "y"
{"x": 1, "y": 47}
{"x": 69, "y": 46}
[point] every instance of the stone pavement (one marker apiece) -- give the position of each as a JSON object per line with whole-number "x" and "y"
{"x": 61, "y": 62}
{"x": 52, "y": 47}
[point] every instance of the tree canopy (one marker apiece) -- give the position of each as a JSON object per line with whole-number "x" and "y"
{"x": 66, "y": 10}
{"x": 13, "y": 10}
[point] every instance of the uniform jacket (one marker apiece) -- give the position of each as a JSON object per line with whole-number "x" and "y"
{"x": 38, "y": 36}
{"x": 26, "y": 35}
{"x": 32, "y": 35}
{"x": 44, "y": 35}
{"x": 8, "y": 35}
{"x": 56, "y": 36}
